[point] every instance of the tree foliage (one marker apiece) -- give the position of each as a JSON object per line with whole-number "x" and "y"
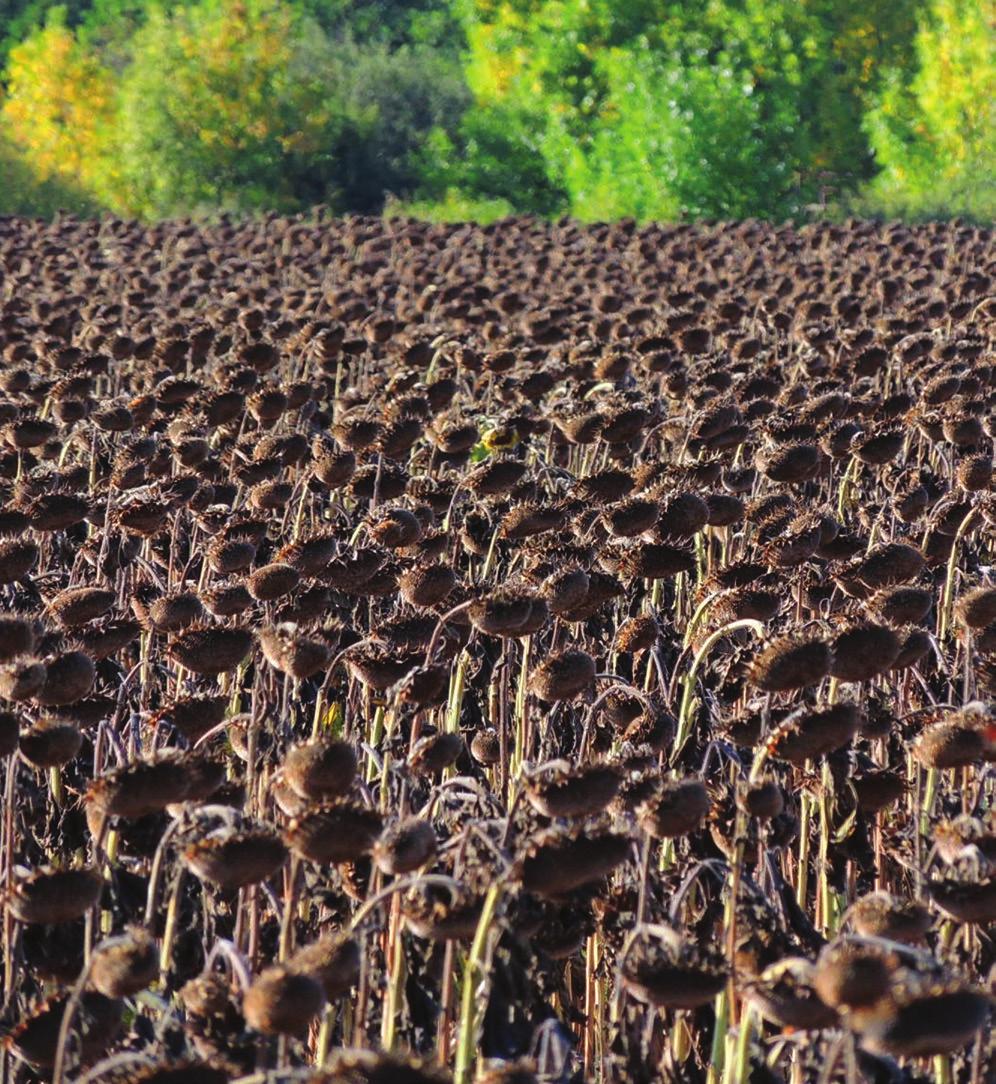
{"x": 59, "y": 107}
{"x": 934, "y": 134}
{"x": 25, "y": 194}
{"x": 225, "y": 105}
{"x": 717, "y": 108}
{"x": 598, "y": 108}
{"x": 391, "y": 100}
{"x": 18, "y": 18}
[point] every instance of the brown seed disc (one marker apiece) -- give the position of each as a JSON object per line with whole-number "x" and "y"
{"x": 427, "y": 585}
{"x": 35, "y": 1038}
{"x": 405, "y": 846}
{"x": 282, "y": 1001}
{"x": 850, "y": 974}
{"x": 949, "y": 744}
{"x": 783, "y": 993}
{"x": 51, "y": 896}
{"x": 334, "y": 833}
{"x": 68, "y": 677}
{"x": 226, "y": 599}
{"x": 965, "y": 901}
{"x": 863, "y": 651}
{"x": 194, "y": 716}
{"x": 563, "y": 675}
{"x": 320, "y": 769}
{"x": 273, "y": 581}
{"x": 977, "y": 608}
{"x": 806, "y": 734}
{"x": 243, "y": 858}
{"x": 334, "y": 961}
{"x": 22, "y": 678}
{"x": 50, "y": 743}
{"x": 78, "y": 605}
{"x": 558, "y": 863}
{"x": 142, "y": 787}
{"x": 791, "y": 662}
{"x": 672, "y": 983}
{"x": 926, "y": 1020}
{"x": 17, "y": 637}
{"x": 211, "y": 651}
{"x": 293, "y": 654}
{"x": 575, "y": 792}
{"x": 880, "y": 914}
{"x": 679, "y": 807}
{"x": 434, "y": 753}
{"x": 124, "y": 966}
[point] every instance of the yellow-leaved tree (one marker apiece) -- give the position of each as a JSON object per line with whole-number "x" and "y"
{"x": 58, "y": 110}
{"x": 935, "y": 134}
{"x": 227, "y": 105}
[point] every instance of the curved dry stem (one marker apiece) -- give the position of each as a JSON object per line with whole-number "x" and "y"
{"x": 947, "y": 595}
{"x": 688, "y": 693}
{"x": 440, "y": 624}
{"x": 401, "y": 886}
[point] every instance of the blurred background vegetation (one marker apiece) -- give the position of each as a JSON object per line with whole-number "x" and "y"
{"x": 454, "y": 109}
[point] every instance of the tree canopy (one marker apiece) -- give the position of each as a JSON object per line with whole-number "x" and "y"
{"x": 596, "y": 108}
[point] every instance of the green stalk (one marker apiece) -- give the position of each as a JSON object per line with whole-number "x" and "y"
{"x": 700, "y": 557}
{"x": 397, "y": 976}
{"x": 844, "y": 495}
{"x": 145, "y": 655}
{"x": 290, "y": 903}
{"x": 489, "y": 561}
{"x": 172, "y": 918}
{"x": 688, "y": 685}
{"x": 717, "y": 1058}
{"x": 801, "y": 882}
{"x": 696, "y": 617}
{"x": 739, "y": 1069}
{"x": 457, "y": 688}
{"x": 947, "y": 596}
{"x": 55, "y": 785}
{"x": 930, "y": 794}
{"x": 472, "y": 973}
{"x": 681, "y": 1044}
{"x": 656, "y": 594}
{"x": 376, "y": 733}
{"x": 825, "y": 893}
{"x": 325, "y": 1036}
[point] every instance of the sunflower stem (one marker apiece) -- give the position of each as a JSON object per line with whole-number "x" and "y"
{"x": 473, "y": 972}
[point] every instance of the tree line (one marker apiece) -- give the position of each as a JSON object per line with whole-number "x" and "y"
{"x": 651, "y": 109}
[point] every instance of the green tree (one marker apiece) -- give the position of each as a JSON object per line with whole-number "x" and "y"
{"x": 391, "y": 100}
{"x": 493, "y": 159}
{"x": 716, "y": 107}
{"x": 934, "y": 133}
{"x": 22, "y": 192}
{"x": 227, "y": 105}
{"x": 390, "y": 23}
{"x": 18, "y": 18}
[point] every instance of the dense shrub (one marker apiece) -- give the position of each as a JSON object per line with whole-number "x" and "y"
{"x": 494, "y": 158}
{"x": 391, "y": 101}
{"x": 24, "y": 193}
{"x": 654, "y": 109}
